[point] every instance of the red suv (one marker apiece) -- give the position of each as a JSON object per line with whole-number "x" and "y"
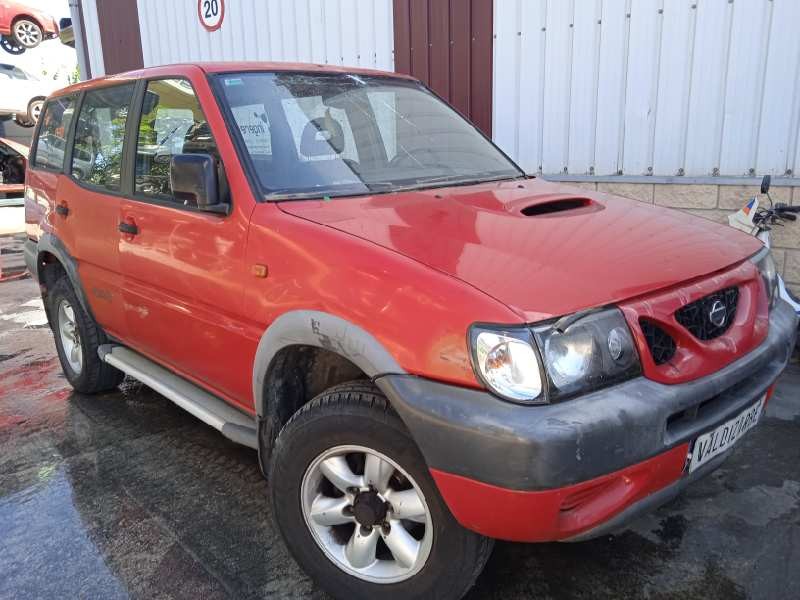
{"x": 428, "y": 348}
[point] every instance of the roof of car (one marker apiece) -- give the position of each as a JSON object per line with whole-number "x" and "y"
{"x": 226, "y": 67}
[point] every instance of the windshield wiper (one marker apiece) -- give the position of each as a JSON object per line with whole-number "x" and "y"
{"x": 322, "y": 193}
{"x": 445, "y": 181}
{"x": 384, "y": 187}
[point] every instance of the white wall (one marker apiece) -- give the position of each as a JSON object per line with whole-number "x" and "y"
{"x": 342, "y": 32}
{"x": 648, "y": 87}
{"x": 93, "y": 43}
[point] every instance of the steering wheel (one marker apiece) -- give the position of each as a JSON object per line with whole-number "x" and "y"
{"x": 151, "y": 184}
{"x": 354, "y": 165}
{"x": 411, "y": 158}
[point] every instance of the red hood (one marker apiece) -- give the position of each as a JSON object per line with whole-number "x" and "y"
{"x": 540, "y": 266}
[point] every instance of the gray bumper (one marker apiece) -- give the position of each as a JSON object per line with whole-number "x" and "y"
{"x": 472, "y": 433}
{"x": 31, "y": 251}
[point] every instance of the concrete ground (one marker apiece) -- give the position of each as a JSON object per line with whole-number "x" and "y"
{"x": 125, "y": 495}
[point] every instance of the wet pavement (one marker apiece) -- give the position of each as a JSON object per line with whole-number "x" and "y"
{"x": 125, "y": 495}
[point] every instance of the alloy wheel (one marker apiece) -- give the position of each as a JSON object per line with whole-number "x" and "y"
{"x": 36, "y": 110}
{"x": 70, "y": 337}
{"x": 11, "y": 46}
{"x": 27, "y": 33}
{"x": 367, "y": 514}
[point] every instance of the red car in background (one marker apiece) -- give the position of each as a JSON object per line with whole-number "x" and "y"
{"x": 26, "y": 26}
{"x": 13, "y": 162}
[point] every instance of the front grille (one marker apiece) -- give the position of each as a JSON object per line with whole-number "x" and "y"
{"x": 710, "y": 316}
{"x": 661, "y": 344}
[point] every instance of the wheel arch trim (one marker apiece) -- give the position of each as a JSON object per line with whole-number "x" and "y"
{"x": 27, "y": 17}
{"x": 321, "y": 330}
{"x": 49, "y": 243}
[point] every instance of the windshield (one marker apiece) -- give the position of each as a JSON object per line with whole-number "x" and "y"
{"x": 322, "y": 134}
{"x": 15, "y": 72}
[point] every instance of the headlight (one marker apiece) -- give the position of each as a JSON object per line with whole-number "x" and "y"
{"x": 586, "y": 352}
{"x": 507, "y": 363}
{"x": 570, "y": 356}
{"x": 769, "y": 274}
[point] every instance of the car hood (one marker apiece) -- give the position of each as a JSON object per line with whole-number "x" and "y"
{"x": 512, "y": 241}
{"x": 20, "y": 149}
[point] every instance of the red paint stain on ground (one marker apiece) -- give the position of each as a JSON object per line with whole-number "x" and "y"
{"x": 7, "y": 421}
{"x": 32, "y": 379}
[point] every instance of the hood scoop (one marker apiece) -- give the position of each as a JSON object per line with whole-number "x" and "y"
{"x": 559, "y": 206}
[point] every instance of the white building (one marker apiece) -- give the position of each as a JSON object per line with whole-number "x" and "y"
{"x": 678, "y": 102}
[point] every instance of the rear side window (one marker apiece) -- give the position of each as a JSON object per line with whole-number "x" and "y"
{"x": 172, "y": 123}
{"x": 51, "y": 143}
{"x": 100, "y": 135}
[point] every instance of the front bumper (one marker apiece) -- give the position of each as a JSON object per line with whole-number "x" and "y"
{"x": 608, "y": 450}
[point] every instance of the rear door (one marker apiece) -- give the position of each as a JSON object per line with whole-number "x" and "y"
{"x": 45, "y": 173}
{"x": 183, "y": 268}
{"x": 92, "y": 195}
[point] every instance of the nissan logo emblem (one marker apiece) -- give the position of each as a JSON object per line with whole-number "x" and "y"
{"x": 717, "y": 314}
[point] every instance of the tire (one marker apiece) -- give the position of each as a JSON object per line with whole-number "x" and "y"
{"x": 8, "y": 44}
{"x": 34, "y": 110}
{"x": 32, "y": 114}
{"x": 353, "y": 417}
{"x": 27, "y": 33}
{"x": 88, "y": 374}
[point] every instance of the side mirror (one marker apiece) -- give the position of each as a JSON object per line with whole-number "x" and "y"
{"x": 765, "y": 184}
{"x": 194, "y": 182}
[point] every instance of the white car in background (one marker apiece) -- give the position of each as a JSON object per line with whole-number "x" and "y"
{"x": 22, "y": 94}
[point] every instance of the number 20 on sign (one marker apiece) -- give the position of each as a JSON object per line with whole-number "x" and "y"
{"x": 211, "y": 13}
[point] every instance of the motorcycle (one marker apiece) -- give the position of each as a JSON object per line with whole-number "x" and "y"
{"x": 758, "y": 221}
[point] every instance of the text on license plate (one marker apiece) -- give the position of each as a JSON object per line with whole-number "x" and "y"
{"x": 713, "y": 443}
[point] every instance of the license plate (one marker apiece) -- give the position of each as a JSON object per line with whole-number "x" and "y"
{"x": 714, "y": 443}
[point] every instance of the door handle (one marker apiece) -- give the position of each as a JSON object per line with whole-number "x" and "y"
{"x": 61, "y": 209}
{"x": 128, "y": 228}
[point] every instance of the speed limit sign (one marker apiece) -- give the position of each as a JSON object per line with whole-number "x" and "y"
{"x": 211, "y": 13}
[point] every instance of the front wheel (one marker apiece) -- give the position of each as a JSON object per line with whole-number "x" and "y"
{"x": 357, "y": 507}
{"x": 27, "y": 33}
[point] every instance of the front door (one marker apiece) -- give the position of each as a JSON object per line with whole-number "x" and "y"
{"x": 91, "y": 196}
{"x": 183, "y": 268}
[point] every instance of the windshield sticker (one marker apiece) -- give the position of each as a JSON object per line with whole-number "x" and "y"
{"x": 233, "y": 81}
{"x": 254, "y": 127}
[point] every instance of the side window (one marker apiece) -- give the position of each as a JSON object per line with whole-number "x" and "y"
{"x": 51, "y": 143}
{"x": 100, "y": 136}
{"x": 172, "y": 123}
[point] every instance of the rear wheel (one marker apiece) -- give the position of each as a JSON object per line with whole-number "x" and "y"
{"x": 357, "y": 507}
{"x": 77, "y": 339}
{"x": 32, "y": 115}
{"x": 27, "y": 33}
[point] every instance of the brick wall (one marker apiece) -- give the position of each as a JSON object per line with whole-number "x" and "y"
{"x": 716, "y": 202}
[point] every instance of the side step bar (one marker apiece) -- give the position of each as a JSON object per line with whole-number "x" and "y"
{"x": 231, "y": 422}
